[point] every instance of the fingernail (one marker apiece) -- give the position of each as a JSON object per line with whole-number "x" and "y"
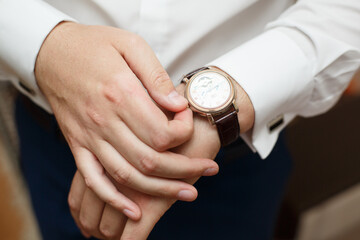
{"x": 185, "y": 195}
{"x": 130, "y": 214}
{"x": 210, "y": 172}
{"x": 176, "y": 98}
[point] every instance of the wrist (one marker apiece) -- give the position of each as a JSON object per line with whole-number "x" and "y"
{"x": 204, "y": 132}
{"x": 208, "y": 133}
{"x": 214, "y": 94}
{"x": 46, "y": 52}
{"x": 246, "y": 114}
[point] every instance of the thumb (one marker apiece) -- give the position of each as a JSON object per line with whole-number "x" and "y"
{"x": 146, "y": 66}
{"x": 162, "y": 90}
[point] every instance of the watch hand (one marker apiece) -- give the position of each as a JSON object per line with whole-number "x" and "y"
{"x": 208, "y": 81}
{"x": 211, "y": 89}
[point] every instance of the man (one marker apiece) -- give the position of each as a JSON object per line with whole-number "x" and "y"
{"x": 131, "y": 148}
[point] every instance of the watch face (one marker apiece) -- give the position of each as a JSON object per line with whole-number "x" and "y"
{"x": 210, "y": 90}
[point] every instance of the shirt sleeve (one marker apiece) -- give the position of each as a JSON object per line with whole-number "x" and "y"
{"x": 24, "y": 25}
{"x": 300, "y": 65}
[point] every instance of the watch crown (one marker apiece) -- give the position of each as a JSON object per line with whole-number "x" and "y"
{"x": 184, "y": 79}
{"x": 211, "y": 119}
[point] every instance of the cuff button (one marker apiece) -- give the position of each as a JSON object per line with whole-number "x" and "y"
{"x": 26, "y": 88}
{"x": 275, "y": 123}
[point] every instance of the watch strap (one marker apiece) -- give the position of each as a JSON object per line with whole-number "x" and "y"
{"x": 227, "y": 122}
{"x": 228, "y": 126}
{"x": 192, "y": 73}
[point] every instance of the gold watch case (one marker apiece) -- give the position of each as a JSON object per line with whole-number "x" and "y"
{"x": 210, "y": 112}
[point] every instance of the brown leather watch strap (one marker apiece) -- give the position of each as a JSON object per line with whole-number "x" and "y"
{"x": 228, "y": 126}
{"x": 190, "y": 74}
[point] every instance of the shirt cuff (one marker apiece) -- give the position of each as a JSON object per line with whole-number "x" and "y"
{"x": 277, "y": 75}
{"x": 24, "y": 25}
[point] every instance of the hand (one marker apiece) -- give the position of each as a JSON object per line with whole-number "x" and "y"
{"x": 205, "y": 142}
{"x": 98, "y": 219}
{"x": 92, "y": 77}
{"x": 93, "y": 216}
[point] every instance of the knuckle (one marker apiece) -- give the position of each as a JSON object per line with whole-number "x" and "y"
{"x": 136, "y": 41}
{"x": 73, "y": 203}
{"x": 188, "y": 130}
{"x": 119, "y": 87}
{"x": 106, "y": 231}
{"x": 167, "y": 191}
{"x": 89, "y": 182}
{"x": 159, "y": 77}
{"x": 71, "y": 140}
{"x": 122, "y": 176}
{"x": 148, "y": 164}
{"x": 96, "y": 117}
{"x": 110, "y": 91}
{"x": 161, "y": 141}
{"x": 112, "y": 201}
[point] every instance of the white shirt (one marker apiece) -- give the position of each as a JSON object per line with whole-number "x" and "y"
{"x": 291, "y": 58}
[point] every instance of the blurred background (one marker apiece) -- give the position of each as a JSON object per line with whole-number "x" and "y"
{"x": 322, "y": 200}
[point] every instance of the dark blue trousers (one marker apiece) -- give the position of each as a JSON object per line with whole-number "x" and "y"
{"x": 241, "y": 202}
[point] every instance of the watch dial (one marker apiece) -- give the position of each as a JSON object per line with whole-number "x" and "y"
{"x": 210, "y": 90}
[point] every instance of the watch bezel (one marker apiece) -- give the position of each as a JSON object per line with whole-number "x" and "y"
{"x": 205, "y": 111}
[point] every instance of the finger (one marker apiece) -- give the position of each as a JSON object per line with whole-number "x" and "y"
{"x": 144, "y": 63}
{"x": 125, "y": 174}
{"x": 75, "y": 198}
{"x": 112, "y": 223}
{"x": 134, "y": 106}
{"x": 154, "y": 128}
{"x": 151, "y": 162}
{"x": 96, "y": 180}
{"x": 140, "y": 230}
{"x": 91, "y": 212}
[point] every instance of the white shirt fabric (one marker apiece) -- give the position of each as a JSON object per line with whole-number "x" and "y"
{"x": 292, "y": 58}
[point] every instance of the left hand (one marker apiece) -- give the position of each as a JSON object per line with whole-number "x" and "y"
{"x": 95, "y": 218}
{"x": 110, "y": 225}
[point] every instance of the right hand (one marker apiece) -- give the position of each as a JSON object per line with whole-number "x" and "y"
{"x": 96, "y": 218}
{"x": 92, "y": 77}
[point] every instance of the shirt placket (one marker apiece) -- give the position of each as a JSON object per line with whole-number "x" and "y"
{"x": 154, "y": 24}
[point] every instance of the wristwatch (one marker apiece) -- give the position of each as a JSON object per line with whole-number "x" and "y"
{"x": 211, "y": 93}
